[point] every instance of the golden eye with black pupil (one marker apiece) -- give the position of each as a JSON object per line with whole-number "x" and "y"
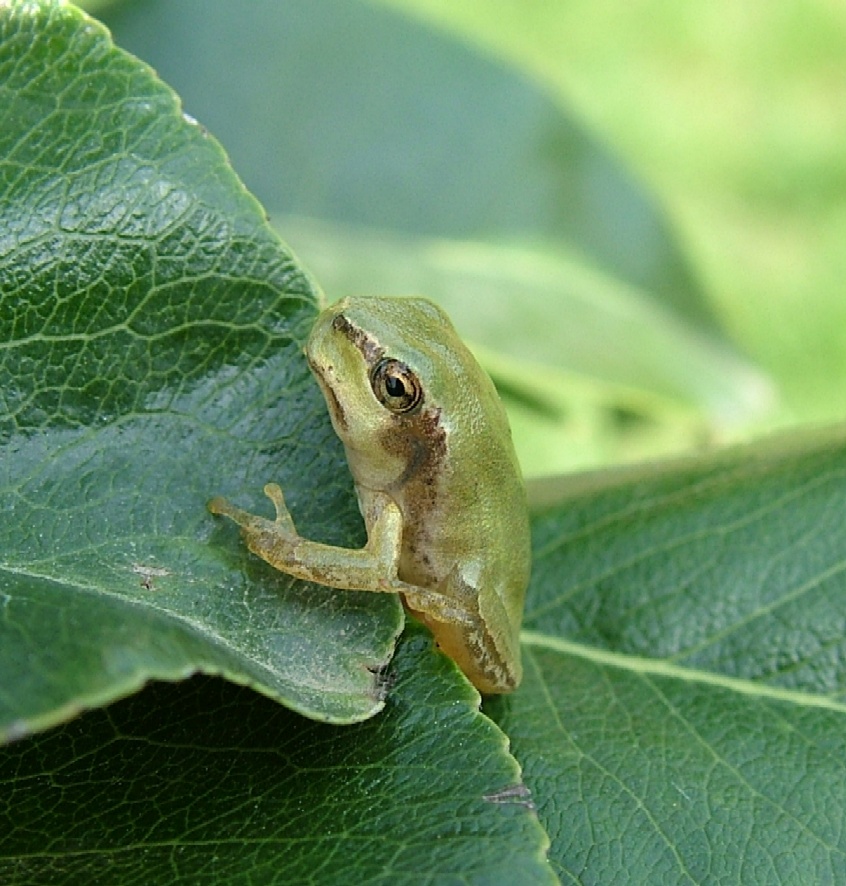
{"x": 396, "y": 387}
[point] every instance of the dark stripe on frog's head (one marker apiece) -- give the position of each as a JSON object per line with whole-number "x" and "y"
{"x": 369, "y": 349}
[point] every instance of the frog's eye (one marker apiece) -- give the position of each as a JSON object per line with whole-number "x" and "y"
{"x": 396, "y": 387}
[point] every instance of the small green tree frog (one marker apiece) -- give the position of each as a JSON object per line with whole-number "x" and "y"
{"x": 437, "y": 479}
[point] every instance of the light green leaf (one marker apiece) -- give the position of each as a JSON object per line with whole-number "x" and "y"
{"x": 151, "y": 328}
{"x": 549, "y": 312}
{"x": 734, "y": 115}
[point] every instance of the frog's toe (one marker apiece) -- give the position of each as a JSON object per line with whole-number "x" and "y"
{"x": 219, "y": 506}
{"x": 283, "y": 517}
{"x": 223, "y": 508}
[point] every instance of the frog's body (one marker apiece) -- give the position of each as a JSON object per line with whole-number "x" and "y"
{"x": 438, "y": 483}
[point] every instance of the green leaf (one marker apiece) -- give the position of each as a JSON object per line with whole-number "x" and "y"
{"x": 662, "y": 777}
{"x": 682, "y": 716}
{"x": 734, "y": 564}
{"x": 151, "y": 328}
{"x": 211, "y": 783}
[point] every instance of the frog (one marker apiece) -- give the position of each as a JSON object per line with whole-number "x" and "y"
{"x": 437, "y": 479}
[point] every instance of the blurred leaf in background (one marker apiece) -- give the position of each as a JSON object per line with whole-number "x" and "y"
{"x": 397, "y": 160}
{"x": 734, "y": 116}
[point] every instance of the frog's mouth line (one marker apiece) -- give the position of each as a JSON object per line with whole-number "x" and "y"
{"x": 336, "y": 411}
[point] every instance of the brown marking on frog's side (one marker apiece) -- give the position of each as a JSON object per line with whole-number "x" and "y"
{"x": 416, "y": 438}
{"x": 420, "y": 442}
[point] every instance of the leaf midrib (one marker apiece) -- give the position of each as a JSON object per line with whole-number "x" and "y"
{"x": 661, "y": 668}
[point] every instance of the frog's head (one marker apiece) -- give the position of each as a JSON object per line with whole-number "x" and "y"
{"x": 391, "y": 370}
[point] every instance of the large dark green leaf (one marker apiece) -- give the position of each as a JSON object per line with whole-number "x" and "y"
{"x": 151, "y": 327}
{"x": 207, "y": 783}
{"x": 682, "y": 716}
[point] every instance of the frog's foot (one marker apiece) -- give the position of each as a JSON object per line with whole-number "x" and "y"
{"x": 252, "y": 524}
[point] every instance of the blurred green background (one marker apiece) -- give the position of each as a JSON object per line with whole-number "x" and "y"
{"x": 634, "y": 211}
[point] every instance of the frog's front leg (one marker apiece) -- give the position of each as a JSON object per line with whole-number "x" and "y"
{"x": 371, "y": 568}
